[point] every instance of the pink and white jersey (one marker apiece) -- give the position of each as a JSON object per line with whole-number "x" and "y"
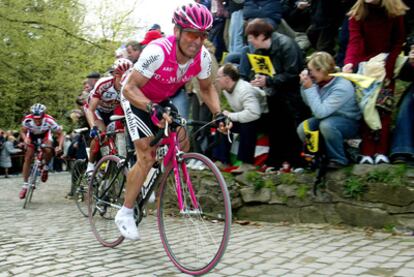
{"x": 158, "y": 62}
{"x": 48, "y": 124}
{"x": 108, "y": 97}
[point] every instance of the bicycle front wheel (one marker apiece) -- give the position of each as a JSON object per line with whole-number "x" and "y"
{"x": 105, "y": 198}
{"x": 196, "y": 237}
{"x": 32, "y": 184}
{"x": 80, "y": 186}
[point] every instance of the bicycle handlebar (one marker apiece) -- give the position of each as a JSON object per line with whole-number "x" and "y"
{"x": 81, "y": 130}
{"x": 177, "y": 121}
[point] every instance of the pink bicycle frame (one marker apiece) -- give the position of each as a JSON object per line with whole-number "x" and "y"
{"x": 171, "y": 156}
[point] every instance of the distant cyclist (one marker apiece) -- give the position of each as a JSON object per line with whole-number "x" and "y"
{"x": 104, "y": 101}
{"x": 38, "y": 125}
{"x": 164, "y": 66}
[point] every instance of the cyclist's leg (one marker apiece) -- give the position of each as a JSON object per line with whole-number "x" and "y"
{"x": 28, "y": 157}
{"x": 135, "y": 178}
{"x": 141, "y": 130}
{"x": 47, "y": 155}
{"x": 94, "y": 146}
{"x": 183, "y": 139}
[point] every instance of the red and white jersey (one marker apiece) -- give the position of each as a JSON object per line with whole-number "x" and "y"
{"x": 108, "y": 97}
{"x": 48, "y": 124}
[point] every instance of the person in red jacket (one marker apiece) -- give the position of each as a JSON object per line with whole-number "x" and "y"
{"x": 375, "y": 26}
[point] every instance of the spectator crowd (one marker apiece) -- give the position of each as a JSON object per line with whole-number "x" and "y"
{"x": 285, "y": 68}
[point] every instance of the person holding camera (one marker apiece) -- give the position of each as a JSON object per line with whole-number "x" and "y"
{"x": 333, "y": 104}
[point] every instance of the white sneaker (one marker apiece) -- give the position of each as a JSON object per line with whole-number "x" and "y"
{"x": 126, "y": 225}
{"x": 366, "y": 160}
{"x": 191, "y": 163}
{"x": 199, "y": 165}
{"x": 381, "y": 159}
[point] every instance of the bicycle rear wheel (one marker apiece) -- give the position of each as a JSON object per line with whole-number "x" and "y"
{"x": 105, "y": 198}
{"x": 196, "y": 238}
{"x": 80, "y": 186}
{"x": 32, "y": 184}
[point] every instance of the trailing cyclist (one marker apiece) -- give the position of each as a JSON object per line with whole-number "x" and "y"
{"x": 104, "y": 102}
{"x": 35, "y": 126}
{"x": 164, "y": 66}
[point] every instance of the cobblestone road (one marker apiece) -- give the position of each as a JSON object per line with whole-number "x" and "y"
{"x": 51, "y": 238}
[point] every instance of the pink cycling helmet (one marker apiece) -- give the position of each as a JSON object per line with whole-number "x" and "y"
{"x": 193, "y": 16}
{"x": 122, "y": 65}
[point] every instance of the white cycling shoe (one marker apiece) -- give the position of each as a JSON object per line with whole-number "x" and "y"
{"x": 126, "y": 225}
{"x": 381, "y": 159}
{"x": 366, "y": 160}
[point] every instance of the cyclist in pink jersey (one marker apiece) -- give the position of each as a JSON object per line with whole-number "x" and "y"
{"x": 104, "y": 102}
{"x": 164, "y": 66}
{"x": 35, "y": 126}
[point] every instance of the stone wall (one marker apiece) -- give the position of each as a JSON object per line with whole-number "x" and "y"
{"x": 379, "y": 196}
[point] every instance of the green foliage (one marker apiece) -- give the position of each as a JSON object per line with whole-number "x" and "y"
{"x": 354, "y": 188}
{"x": 268, "y": 183}
{"x": 389, "y": 228}
{"x": 255, "y": 178}
{"x": 287, "y": 178}
{"x": 392, "y": 177}
{"x": 44, "y": 57}
{"x": 302, "y": 191}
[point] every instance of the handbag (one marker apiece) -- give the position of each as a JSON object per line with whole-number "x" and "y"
{"x": 385, "y": 100}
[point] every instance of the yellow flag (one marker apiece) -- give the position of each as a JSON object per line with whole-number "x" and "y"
{"x": 261, "y": 64}
{"x": 311, "y": 138}
{"x": 358, "y": 79}
{"x": 223, "y": 56}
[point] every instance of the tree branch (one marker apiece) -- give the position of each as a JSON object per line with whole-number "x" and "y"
{"x": 29, "y": 22}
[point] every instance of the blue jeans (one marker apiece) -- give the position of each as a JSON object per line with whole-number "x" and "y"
{"x": 245, "y": 69}
{"x": 403, "y": 134}
{"x": 236, "y": 32}
{"x": 334, "y": 130}
{"x": 180, "y": 100}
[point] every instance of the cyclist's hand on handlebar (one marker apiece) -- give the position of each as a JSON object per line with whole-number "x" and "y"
{"x": 58, "y": 150}
{"x": 159, "y": 116}
{"x": 94, "y": 132}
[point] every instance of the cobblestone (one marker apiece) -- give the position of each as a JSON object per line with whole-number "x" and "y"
{"x": 51, "y": 238}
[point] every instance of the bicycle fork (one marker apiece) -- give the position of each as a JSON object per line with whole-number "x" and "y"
{"x": 179, "y": 188}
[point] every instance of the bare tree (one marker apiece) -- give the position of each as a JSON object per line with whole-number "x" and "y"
{"x": 112, "y": 21}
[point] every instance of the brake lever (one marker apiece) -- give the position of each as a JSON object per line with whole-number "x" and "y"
{"x": 229, "y": 137}
{"x": 166, "y": 129}
{"x": 227, "y": 122}
{"x": 167, "y": 110}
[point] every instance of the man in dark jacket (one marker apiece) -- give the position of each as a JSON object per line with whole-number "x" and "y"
{"x": 286, "y": 108}
{"x": 270, "y": 10}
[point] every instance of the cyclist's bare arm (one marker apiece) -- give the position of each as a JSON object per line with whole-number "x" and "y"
{"x": 60, "y": 138}
{"x": 132, "y": 91}
{"x": 89, "y": 113}
{"x": 209, "y": 95}
{"x": 23, "y": 132}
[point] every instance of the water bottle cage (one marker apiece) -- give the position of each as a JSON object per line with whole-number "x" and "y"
{"x": 161, "y": 152}
{"x": 180, "y": 155}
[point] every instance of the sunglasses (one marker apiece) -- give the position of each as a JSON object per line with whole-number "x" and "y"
{"x": 193, "y": 34}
